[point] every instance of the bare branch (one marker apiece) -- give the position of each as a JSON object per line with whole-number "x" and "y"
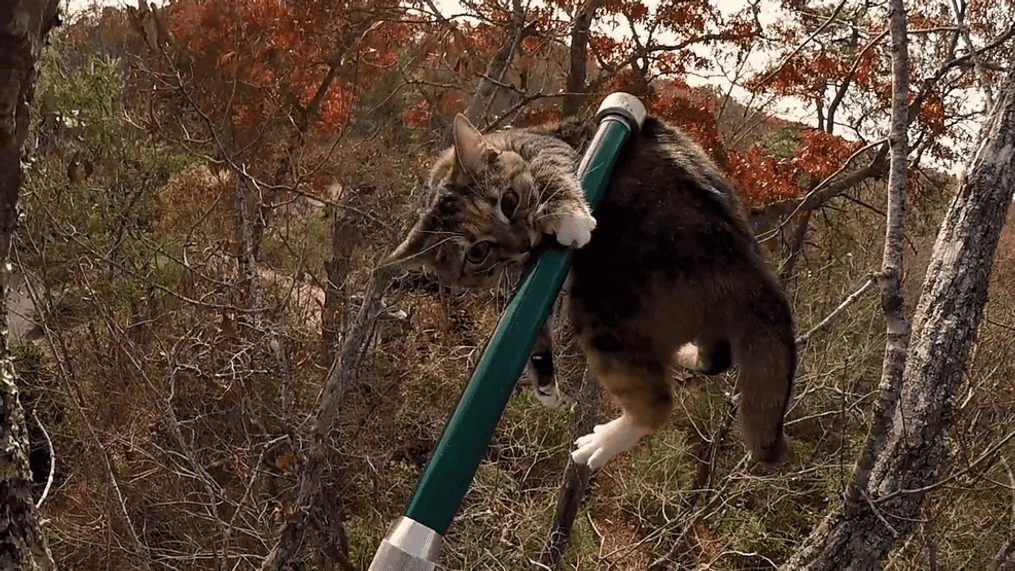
{"x": 52, "y": 461}
{"x": 802, "y": 340}
{"x": 801, "y": 45}
{"x": 342, "y": 374}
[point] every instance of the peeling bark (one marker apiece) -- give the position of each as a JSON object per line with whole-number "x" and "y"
{"x": 913, "y": 454}
{"x": 23, "y": 26}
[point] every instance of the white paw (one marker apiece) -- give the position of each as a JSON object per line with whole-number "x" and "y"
{"x": 574, "y": 229}
{"x": 606, "y": 441}
{"x": 548, "y": 396}
{"x": 689, "y": 357}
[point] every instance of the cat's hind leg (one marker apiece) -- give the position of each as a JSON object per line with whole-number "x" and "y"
{"x": 706, "y": 355}
{"x": 643, "y": 391}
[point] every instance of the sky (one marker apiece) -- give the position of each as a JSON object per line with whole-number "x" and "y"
{"x": 73, "y": 6}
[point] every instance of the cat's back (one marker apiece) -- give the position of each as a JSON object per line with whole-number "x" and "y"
{"x": 668, "y": 208}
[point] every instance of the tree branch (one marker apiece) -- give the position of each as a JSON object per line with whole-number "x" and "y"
{"x": 576, "y": 477}
{"x": 343, "y": 372}
{"x": 802, "y": 340}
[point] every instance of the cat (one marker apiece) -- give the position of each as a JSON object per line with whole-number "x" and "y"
{"x": 667, "y": 272}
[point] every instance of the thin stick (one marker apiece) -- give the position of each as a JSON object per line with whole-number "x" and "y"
{"x": 52, "y": 461}
{"x": 801, "y": 341}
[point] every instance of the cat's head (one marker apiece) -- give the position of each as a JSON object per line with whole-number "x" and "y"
{"x": 479, "y": 216}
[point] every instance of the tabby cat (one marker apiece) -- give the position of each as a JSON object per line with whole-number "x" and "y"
{"x": 668, "y": 272}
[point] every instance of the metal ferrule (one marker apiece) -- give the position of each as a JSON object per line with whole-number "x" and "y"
{"x": 409, "y": 546}
{"x": 626, "y": 106}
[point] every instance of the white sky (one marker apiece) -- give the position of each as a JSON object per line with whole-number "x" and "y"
{"x": 73, "y": 6}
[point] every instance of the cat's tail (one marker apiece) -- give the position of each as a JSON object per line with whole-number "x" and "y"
{"x": 765, "y": 354}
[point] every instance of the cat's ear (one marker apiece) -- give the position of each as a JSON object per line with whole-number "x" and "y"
{"x": 472, "y": 151}
{"x": 408, "y": 254}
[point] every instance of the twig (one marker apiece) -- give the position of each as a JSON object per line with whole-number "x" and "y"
{"x": 706, "y": 469}
{"x": 990, "y": 452}
{"x": 1011, "y": 478}
{"x": 52, "y": 461}
{"x": 822, "y": 192}
{"x": 341, "y": 375}
{"x": 801, "y": 341}
{"x": 576, "y": 478}
{"x": 800, "y": 46}
{"x": 247, "y": 493}
{"x": 877, "y": 513}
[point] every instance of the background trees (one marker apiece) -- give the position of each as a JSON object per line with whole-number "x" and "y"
{"x": 209, "y": 185}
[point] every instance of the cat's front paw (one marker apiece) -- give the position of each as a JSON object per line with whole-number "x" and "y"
{"x": 606, "y": 441}
{"x": 574, "y": 229}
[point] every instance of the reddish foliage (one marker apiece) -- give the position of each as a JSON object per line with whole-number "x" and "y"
{"x": 920, "y": 21}
{"x": 538, "y": 116}
{"x": 693, "y": 109}
{"x": 320, "y": 181}
{"x": 451, "y": 103}
{"x": 190, "y": 194}
{"x": 803, "y": 76}
{"x": 762, "y": 179}
{"x": 418, "y": 115}
{"x": 636, "y": 10}
{"x": 607, "y": 49}
{"x": 264, "y": 55}
{"x": 932, "y": 114}
{"x": 757, "y": 176}
{"x": 821, "y": 154}
{"x": 485, "y": 38}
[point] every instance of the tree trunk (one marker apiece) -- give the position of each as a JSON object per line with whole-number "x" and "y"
{"x": 913, "y": 454}
{"x": 344, "y": 235}
{"x": 897, "y": 334}
{"x": 579, "y": 47}
{"x": 23, "y": 25}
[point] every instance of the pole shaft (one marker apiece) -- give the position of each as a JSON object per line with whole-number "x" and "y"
{"x": 447, "y": 475}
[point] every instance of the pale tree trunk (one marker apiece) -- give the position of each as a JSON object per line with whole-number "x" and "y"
{"x": 897, "y": 334}
{"x": 23, "y": 25}
{"x": 913, "y": 453}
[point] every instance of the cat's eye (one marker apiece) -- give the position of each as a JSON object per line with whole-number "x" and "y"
{"x": 508, "y": 203}
{"x": 478, "y": 252}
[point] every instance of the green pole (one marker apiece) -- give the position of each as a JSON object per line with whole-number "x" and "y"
{"x": 414, "y": 541}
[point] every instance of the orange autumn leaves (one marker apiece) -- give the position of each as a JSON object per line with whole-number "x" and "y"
{"x": 264, "y": 54}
